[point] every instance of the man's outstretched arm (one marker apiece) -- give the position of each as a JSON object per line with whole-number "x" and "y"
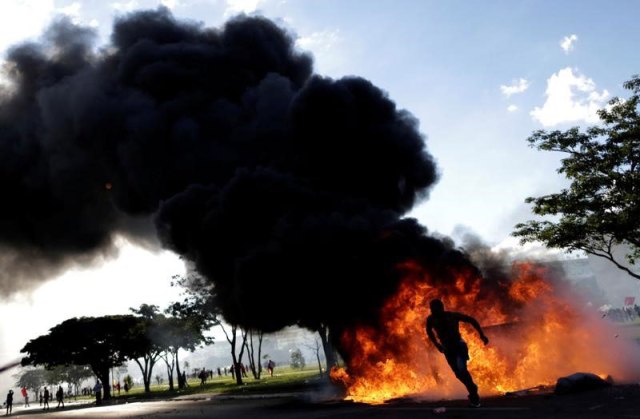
{"x": 432, "y": 336}
{"x": 473, "y": 322}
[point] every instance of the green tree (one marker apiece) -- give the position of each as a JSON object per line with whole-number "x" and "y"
{"x": 296, "y": 359}
{"x": 72, "y": 374}
{"x": 315, "y": 345}
{"x": 149, "y": 346}
{"x": 188, "y": 321}
{"x": 32, "y": 378}
{"x": 100, "y": 342}
{"x": 601, "y": 208}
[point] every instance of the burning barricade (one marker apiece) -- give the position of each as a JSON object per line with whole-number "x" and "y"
{"x": 536, "y": 336}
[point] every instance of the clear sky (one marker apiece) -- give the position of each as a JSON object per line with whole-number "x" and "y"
{"x": 479, "y": 76}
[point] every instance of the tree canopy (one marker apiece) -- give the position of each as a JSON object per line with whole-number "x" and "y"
{"x": 188, "y": 321}
{"x": 32, "y": 378}
{"x": 600, "y": 209}
{"x": 101, "y": 342}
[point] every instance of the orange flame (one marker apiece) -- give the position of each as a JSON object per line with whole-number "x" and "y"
{"x": 537, "y": 338}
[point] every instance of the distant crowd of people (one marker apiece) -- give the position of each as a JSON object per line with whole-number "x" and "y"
{"x": 622, "y": 315}
{"x": 204, "y": 374}
{"x": 43, "y": 395}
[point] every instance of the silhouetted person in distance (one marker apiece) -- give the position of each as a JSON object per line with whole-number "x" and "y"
{"x": 46, "y": 399}
{"x": 270, "y": 366}
{"x": 97, "y": 389}
{"x": 450, "y": 343}
{"x": 25, "y": 394}
{"x": 9, "y": 402}
{"x": 60, "y": 397}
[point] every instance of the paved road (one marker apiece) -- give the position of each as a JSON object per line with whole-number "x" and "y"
{"x": 615, "y": 402}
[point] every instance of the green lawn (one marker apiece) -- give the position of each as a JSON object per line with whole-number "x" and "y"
{"x": 285, "y": 379}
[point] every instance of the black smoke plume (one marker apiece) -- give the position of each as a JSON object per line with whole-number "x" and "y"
{"x": 272, "y": 180}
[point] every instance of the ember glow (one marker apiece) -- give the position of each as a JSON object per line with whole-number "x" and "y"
{"x": 535, "y": 337}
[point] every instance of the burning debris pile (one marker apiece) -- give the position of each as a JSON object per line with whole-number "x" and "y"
{"x": 536, "y": 335}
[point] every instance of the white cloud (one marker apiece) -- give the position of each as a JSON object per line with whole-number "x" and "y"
{"x": 241, "y": 6}
{"x": 319, "y": 41}
{"x": 327, "y": 49}
{"x": 518, "y": 86}
{"x": 72, "y": 10}
{"x": 23, "y": 19}
{"x": 512, "y": 108}
{"x": 568, "y": 42}
{"x": 122, "y": 6}
{"x": 570, "y": 98}
{"x": 170, "y": 4}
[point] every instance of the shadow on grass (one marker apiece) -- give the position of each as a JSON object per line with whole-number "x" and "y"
{"x": 286, "y": 382}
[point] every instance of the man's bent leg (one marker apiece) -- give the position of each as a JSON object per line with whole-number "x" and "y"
{"x": 458, "y": 363}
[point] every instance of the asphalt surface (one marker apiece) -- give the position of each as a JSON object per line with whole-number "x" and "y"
{"x": 613, "y": 402}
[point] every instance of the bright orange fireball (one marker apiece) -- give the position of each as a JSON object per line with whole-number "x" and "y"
{"x": 536, "y": 336}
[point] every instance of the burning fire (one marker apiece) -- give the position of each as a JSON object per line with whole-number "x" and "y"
{"x": 535, "y": 337}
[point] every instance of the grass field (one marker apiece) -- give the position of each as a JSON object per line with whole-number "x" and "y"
{"x": 285, "y": 379}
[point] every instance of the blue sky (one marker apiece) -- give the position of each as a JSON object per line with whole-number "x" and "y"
{"x": 479, "y": 76}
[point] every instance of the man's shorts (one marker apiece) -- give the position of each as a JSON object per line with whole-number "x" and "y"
{"x": 457, "y": 355}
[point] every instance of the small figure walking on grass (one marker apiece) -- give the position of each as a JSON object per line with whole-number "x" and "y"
{"x": 60, "y": 397}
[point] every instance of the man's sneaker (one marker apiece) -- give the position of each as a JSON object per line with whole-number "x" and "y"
{"x": 474, "y": 400}
{"x": 474, "y": 404}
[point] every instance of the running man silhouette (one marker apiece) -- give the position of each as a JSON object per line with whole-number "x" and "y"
{"x": 450, "y": 343}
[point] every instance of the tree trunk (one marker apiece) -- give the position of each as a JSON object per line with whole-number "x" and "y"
{"x": 329, "y": 351}
{"x": 146, "y": 372}
{"x": 181, "y": 383}
{"x": 255, "y": 369}
{"x": 260, "y": 336}
{"x": 147, "y": 387}
{"x": 103, "y": 374}
{"x": 232, "y": 342}
{"x": 319, "y": 363}
{"x": 237, "y": 359}
{"x": 170, "y": 361}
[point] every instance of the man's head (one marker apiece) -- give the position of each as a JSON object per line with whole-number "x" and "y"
{"x": 437, "y": 306}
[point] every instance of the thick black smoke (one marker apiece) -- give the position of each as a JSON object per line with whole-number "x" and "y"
{"x": 272, "y": 180}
